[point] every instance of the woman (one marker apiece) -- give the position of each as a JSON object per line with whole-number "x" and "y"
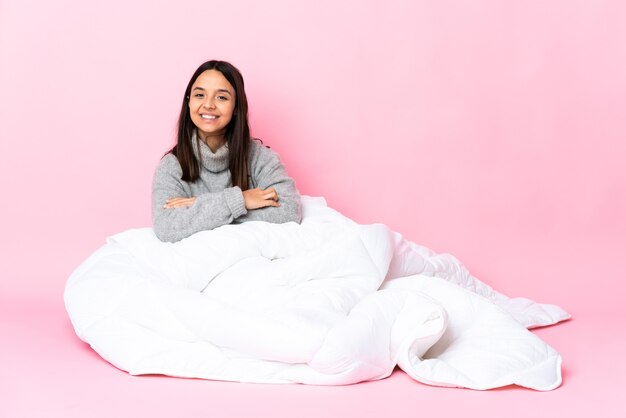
{"x": 216, "y": 174}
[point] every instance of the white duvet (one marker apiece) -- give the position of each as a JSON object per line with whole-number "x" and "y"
{"x": 327, "y": 302}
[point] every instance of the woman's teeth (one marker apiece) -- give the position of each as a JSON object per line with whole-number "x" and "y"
{"x": 208, "y": 117}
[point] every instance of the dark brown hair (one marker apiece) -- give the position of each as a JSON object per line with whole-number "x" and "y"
{"x": 237, "y": 134}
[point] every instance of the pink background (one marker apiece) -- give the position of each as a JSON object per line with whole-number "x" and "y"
{"x": 494, "y": 130}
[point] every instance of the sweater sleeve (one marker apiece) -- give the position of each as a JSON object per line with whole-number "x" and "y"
{"x": 209, "y": 211}
{"x": 268, "y": 171}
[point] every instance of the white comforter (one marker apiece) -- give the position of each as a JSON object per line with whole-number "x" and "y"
{"x": 325, "y": 302}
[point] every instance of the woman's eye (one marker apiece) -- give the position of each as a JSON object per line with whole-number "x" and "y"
{"x": 222, "y": 97}
{"x": 199, "y": 95}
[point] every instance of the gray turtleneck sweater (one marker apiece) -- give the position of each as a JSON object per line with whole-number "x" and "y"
{"x": 217, "y": 201}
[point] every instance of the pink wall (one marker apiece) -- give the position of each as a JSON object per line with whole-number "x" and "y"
{"x": 493, "y": 130}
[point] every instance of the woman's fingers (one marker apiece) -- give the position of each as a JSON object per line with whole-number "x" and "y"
{"x": 271, "y": 197}
{"x": 270, "y": 194}
{"x": 181, "y": 203}
{"x": 178, "y": 202}
{"x": 268, "y": 202}
{"x": 178, "y": 199}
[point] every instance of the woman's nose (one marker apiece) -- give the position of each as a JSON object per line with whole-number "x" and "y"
{"x": 209, "y": 103}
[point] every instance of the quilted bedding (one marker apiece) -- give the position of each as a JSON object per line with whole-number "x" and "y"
{"x": 327, "y": 302}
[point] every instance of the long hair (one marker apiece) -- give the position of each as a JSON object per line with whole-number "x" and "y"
{"x": 237, "y": 134}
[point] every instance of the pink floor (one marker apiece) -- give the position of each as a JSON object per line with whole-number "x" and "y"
{"x": 48, "y": 372}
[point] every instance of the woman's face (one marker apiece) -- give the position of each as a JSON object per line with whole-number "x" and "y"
{"x": 211, "y": 103}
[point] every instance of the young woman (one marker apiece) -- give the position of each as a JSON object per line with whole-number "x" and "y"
{"x": 216, "y": 174}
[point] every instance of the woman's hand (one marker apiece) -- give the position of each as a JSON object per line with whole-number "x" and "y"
{"x": 179, "y": 202}
{"x": 259, "y": 198}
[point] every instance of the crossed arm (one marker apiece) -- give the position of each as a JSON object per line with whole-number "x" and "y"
{"x": 253, "y": 199}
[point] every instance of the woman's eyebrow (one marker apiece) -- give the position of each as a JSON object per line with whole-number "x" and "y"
{"x": 218, "y": 90}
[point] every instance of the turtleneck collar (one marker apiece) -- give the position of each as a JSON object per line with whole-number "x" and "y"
{"x": 213, "y": 161}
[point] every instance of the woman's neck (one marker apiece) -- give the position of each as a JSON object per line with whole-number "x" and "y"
{"x": 213, "y": 141}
